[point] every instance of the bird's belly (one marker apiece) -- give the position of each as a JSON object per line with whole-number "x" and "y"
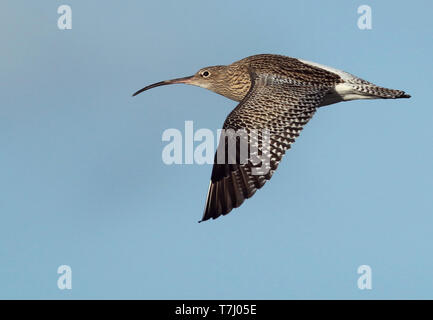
{"x": 331, "y": 97}
{"x": 344, "y": 92}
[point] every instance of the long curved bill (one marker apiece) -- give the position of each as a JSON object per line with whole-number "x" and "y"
{"x": 186, "y": 80}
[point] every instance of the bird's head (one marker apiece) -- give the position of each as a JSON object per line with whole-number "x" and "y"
{"x": 223, "y": 80}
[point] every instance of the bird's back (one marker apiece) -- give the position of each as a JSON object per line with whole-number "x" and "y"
{"x": 291, "y": 68}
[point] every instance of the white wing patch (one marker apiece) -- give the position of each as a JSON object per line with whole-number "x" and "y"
{"x": 349, "y": 92}
{"x": 344, "y": 91}
{"x": 343, "y": 74}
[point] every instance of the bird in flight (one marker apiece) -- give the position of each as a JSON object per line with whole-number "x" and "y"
{"x": 278, "y": 95}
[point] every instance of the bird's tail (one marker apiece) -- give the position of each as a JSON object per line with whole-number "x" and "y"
{"x": 374, "y": 91}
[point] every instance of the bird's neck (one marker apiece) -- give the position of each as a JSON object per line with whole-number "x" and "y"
{"x": 236, "y": 83}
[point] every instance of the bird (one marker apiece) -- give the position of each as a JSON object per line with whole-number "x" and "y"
{"x": 277, "y": 94}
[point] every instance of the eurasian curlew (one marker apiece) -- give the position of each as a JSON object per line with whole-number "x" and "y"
{"x": 275, "y": 93}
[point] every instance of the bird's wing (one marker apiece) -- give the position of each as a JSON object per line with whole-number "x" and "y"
{"x": 274, "y": 107}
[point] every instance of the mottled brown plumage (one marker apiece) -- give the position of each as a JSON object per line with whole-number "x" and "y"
{"x": 279, "y": 95}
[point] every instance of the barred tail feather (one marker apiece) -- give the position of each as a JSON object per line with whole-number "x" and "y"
{"x": 383, "y": 93}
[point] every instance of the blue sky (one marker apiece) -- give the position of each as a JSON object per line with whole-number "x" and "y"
{"x": 82, "y": 182}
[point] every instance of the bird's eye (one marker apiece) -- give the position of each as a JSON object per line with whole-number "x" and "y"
{"x": 205, "y": 74}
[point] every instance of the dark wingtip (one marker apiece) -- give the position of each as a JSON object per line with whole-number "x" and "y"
{"x": 405, "y": 95}
{"x": 203, "y": 219}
